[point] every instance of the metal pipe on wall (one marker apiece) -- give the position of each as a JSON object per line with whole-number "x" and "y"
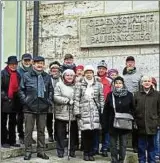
{"x": 36, "y": 29}
{"x": 18, "y": 29}
{"x": 1, "y": 34}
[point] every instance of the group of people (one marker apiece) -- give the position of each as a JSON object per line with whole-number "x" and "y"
{"x": 72, "y": 100}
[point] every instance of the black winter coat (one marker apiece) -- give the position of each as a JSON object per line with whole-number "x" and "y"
{"x": 147, "y": 111}
{"x": 28, "y": 93}
{"x": 123, "y": 104}
{"x": 8, "y": 105}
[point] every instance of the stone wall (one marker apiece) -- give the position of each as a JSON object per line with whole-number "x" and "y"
{"x": 60, "y": 33}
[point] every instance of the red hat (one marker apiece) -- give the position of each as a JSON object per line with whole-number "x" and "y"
{"x": 81, "y": 67}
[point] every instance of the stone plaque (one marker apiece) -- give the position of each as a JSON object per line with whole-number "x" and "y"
{"x": 138, "y": 28}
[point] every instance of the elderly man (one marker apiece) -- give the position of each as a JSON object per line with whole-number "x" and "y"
{"x": 36, "y": 93}
{"x": 26, "y": 65}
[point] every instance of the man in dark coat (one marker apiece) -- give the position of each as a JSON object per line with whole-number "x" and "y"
{"x": 147, "y": 116}
{"x": 36, "y": 93}
{"x": 26, "y": 65}
{"x": 10, "y": 80}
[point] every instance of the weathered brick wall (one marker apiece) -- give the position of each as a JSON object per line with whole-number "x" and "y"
{"x": 59, "y": 34}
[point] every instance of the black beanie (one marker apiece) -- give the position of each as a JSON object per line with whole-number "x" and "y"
{"x": 119, "y": 78}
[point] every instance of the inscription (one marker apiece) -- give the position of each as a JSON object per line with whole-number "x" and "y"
{"x": 119, "y": 30}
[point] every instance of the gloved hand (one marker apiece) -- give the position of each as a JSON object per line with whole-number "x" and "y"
{"x": 78, "y": 116}
{"x": 70, "y": 102}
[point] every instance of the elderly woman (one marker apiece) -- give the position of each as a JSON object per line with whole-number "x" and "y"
{"x": 147, "y": 116}
{"x": 63, "y": 98}
{"x": 120, "y": 100}
{"x": 89, "y": 101}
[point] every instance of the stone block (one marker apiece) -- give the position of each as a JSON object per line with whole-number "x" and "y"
{"x": 149, "y": 49}
{"x": 47, "y": 47}
{"x": 118, "y": 6}
{"x": 51, "y": 2}
{"x": 114, "y": 51}
{"x": 59, "y": 28}
{"x": 81, "y": 8}
{"x": 51, "y": 9}
{"x": 138, "y": 28}
{"x": 145, "y": 5}
{"x": 72, "y": 47}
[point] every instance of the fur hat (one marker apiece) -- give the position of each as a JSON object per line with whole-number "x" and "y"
{"x": 89, "y": 67}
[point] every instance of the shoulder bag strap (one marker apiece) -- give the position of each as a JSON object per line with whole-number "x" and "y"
{"x": 114, "y": 105}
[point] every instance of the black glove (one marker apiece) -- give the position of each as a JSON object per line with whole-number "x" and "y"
{"x": 78, "y": 116}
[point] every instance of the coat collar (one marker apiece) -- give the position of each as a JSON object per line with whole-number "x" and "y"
{"x": 33, "y": 73}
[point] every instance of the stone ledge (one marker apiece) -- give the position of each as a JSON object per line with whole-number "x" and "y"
{"x": 15, "y": 152}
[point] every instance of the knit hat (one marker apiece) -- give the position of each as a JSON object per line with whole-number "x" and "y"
{"x": 89, "y": 67}
{"x": 102, "y": 63}
{"x": 68, "y": 56}
{"x": 80, "y": 67}
{"x": 112, "y": 71}
{"x": 54, "y": 64}
{"x": 130, "y": 58}
{"x": 68, "y": 71}
{"x": 119, "y": 78}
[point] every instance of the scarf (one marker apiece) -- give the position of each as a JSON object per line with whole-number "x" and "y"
{"x": 13, "y": 82}
{"x": 89, "y": 93}
{"x": 69, "y": 66}
{"x": 41, "y": 85}
{"x": 27, "y": 69}
{"x": 129, "y": 71}
{"x": 120, "y": 91}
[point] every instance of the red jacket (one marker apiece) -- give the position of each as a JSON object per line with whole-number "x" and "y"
{"x": 106, "y": 85}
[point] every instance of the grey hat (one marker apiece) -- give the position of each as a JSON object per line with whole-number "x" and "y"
{"x": 102, "y": 63}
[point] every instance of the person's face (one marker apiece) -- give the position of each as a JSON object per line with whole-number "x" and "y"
{"x": 27, "y": 62}
{"x": 69, "y": 78}
{"x": 118, "y": 84}
{"x": 39, "y": 66}
{"x": 13, "y": 66}
{"x": 102, "y": 71}
{"x": 54, "y": 71}
{"x": 113, "y": 75}
{"x": 147, "y": 83}
{"x": 130, "y": 64}
{"x": 68, "y": 61}
{"x": 79, "y": 72}
{"x": 89, "y": 74}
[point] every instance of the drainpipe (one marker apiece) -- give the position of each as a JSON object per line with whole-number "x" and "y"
{"x": 2, "y": 6}
{"x": 36, "y": 29}
{"x": 18, "y": 30}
